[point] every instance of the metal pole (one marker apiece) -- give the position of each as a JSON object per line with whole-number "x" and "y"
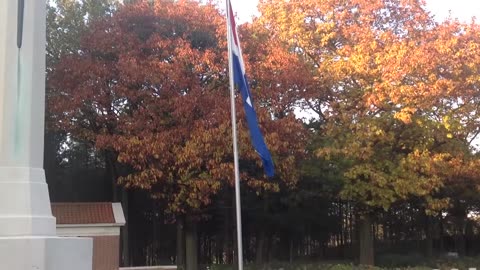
{"x": 235, "y": 148}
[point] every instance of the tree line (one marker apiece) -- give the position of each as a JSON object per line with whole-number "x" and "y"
{"x": 385, "y": 162}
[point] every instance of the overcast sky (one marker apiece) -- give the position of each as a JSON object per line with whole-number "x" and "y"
{"x": 461, "y": 9}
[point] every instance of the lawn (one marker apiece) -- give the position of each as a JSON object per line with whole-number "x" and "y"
{"x": 398, "y": 263}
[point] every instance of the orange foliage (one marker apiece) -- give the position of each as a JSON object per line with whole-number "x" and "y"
{"x": 150, "y": 84}
{"x": 396, "y": 91}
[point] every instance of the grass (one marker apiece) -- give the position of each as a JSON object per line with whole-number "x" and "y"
{"x": 390, "y": 262}
{"x": 313, "y": 266}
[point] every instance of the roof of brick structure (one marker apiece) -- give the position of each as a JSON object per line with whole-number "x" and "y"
{"x": 83, "y": 213}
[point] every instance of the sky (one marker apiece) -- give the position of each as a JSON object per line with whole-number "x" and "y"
{"x": 464, "y": 10}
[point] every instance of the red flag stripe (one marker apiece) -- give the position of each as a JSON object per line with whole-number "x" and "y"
{"x": 232, "y": 24}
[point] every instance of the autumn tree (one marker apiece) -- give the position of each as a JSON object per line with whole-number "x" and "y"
{"x": 394, "y": 92}
{"x": 67, "y": 21}
{"x": 148, "y": 86}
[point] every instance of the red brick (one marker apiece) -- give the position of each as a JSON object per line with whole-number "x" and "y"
{"x": 83, "y": 213}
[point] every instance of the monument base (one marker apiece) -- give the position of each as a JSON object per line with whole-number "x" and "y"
{"x": 46, "y": 253}
{"x": 28, "y": 238}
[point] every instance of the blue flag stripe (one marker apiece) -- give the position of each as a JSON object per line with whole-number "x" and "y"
{"x": 256, "y": 136}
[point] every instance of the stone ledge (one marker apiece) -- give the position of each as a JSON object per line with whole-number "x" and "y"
{"x": 46, "y": 253}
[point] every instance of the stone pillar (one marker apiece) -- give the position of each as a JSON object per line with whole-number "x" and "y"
{"x": 27, "y": 227}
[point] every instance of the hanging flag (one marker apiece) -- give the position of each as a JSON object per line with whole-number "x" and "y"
{"x": 240, "y": 80}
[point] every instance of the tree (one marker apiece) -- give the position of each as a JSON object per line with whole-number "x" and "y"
{"x": 388, "y": 84}
{"x": 148, "y": 87}
{"x": 67, "y": 21}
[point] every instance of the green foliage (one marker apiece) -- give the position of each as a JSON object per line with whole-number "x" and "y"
{"x": 68, "y": 20}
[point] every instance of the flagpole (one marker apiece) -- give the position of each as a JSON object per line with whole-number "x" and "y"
{"x": 238, "y": 206}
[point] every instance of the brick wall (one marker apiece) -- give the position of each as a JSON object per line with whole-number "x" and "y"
{"x": 106, "y": 252}
{"x": 166, "y": 267}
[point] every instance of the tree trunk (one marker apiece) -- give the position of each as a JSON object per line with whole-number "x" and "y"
{"x": 291, "y": 250}
{"x": 228, "y": 232}
{"x": 343, "y": 226}
{"x": 260, "y": 251}
{"x": 442, "y": 243}
{"x": 428, "y": 236}
{"x": 180, "y": 243}
{"x": 119, "y": 194}
{"x": 112, "y": 174}
{"x": 270, "y": 249}
{"x": 125, "y": 228}
{"x": 469, "y": 235}
{"x": 366, "y": 240}
{"x": 460, "y": 244}
{"x": 191, "y": 244}
{"x": 460, "y": 214}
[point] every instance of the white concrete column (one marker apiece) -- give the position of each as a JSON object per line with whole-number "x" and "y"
{"x": 22, "y": 84}
{"x": 24, "y": 201}
{"x": 27, "y": 227}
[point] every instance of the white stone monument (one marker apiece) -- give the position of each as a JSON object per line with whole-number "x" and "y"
{"x": 27, "y": 227}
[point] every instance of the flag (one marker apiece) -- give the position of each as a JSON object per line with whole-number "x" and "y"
{"x": 240, "y": 79}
